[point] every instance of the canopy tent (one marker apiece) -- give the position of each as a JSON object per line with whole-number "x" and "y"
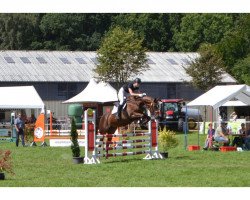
{"x": 234, "y": 103}
{"x": 224, "y": 95}
{"x": 219, "y": 95}
{"x": 20, "y": 97}
{"x": 95, "y": 92}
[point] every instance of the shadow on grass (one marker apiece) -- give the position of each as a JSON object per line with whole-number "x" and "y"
{"x": 125, "y": 160}
{"x": 183, "y": 158}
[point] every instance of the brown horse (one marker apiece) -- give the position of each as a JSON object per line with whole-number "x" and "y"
{"x": 135, "y": 110}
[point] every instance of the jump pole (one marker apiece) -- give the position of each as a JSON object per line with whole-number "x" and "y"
{"x": 91, "y": 143}
{"x": 90, "y": 138}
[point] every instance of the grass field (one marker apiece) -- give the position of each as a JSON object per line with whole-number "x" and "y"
{"x": 47, "y": 167}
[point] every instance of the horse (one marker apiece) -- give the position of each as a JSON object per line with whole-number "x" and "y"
{"x": 135, "y": 110}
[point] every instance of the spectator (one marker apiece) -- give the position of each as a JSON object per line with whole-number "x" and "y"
{"x": 32, "y": 119}
{"x": 210, "y": 136}
{"x": 239, "y": 140}
{"x": 221, "y": 133}
{"x": 19, "y": 125}
{"x": 247, "y": 135}
{"x": 233, "y": 116}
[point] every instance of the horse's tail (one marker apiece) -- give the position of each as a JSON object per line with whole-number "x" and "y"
{"x": 103, "y": 124}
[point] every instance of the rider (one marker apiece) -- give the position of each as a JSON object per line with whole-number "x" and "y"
{"x": 127, "y": 90}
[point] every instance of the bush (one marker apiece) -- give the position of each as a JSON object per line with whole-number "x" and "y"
{"x": 74, "y": 136}
{"x": 167, "y": 139}
{"x": 29, "y": 132}
{"x": 6, "y": 162}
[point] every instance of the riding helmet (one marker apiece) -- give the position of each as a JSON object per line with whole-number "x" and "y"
{"x": 137, "y": 80}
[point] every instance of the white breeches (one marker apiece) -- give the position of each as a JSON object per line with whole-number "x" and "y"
{"x": 122, "y": 95}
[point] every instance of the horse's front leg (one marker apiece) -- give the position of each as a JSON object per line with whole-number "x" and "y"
{"x": 136, "y": 115}
{"x": 145, "y": 119}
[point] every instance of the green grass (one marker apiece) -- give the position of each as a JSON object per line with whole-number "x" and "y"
{"x": 47, "y": 167}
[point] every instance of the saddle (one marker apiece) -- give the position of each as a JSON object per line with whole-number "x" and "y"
{"x": 115, "y": 108}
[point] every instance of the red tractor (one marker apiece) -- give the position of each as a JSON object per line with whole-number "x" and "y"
{"x": 171, "y": 114}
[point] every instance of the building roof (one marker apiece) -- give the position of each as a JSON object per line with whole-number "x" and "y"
{"x": 77, "y": 66}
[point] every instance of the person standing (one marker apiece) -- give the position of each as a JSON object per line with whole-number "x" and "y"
{"x": 20, "y": 126}
{"x": 127, "y": 90}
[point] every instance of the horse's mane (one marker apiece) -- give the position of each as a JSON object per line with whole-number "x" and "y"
{"x": 134, "y": 98}
{"x": 140, "y": 100}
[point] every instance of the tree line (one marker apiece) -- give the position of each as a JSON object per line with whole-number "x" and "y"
{"x": 227, "y": 34}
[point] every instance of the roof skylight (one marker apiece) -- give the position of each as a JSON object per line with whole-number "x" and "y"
{"x": 81, "y": 61}
{"x": 41, "y": 60}
{"x": 172, "y": 61}
{"x": 150, "y": 61}
{"x": 25, "y": 60}
{"x": 9, "y": 59}
{"x": 95, "y": 60}
{"x": 65, "y": 60}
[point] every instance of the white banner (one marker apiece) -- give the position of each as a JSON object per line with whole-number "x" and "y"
{"x": 64, "y": 142}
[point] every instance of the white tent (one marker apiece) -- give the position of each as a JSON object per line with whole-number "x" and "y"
{"x": 234, "y": 103}
{"x": 219, "y": 95}
{"x": 20, "y": 97}
{"x": 95, "y": 92}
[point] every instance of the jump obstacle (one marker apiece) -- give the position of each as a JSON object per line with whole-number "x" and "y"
{"x": 95, "y": 149}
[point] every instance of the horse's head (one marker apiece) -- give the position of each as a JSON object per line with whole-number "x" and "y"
{"x": 152, "y": 104}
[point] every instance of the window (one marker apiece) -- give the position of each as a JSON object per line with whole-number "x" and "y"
{"x": 150, "y": 61}
{"x": 95, "y": 60}
{"x": 62, "y": 89}
{"x": 81, "y": 61}
{"x": 72, "y": 90}
{"x": 67, "y": 90}
{"x": 2, "y": 116}
{"x": 25, "y": 60}
{"x": 170, "y": 106}
{"x": 171, "y": 91}
{"x": 9, "y": 59}
{"x": 65, "y": 60}
{"x": 172, "y": 61}
{"x": 41, "y": 60}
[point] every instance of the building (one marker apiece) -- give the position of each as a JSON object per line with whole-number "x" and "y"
{"x": 60, "y": 75}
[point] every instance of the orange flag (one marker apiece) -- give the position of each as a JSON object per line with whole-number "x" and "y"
{"x": 39, "y": 129}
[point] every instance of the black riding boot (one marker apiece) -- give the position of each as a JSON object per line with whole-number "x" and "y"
{"x": 119, "y": 112}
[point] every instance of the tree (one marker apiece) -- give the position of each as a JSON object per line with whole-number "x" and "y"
{"x": 206, "y": 71}
{"x": 74, "y": 31}
{"x": 241, "y": 70}
{"x": 235, "y": 45}
{"x": 120, "y": 56}
{"x": 196, "y": 29}
{"x": 20, "y": 31}
{"x": 153, "y": 27}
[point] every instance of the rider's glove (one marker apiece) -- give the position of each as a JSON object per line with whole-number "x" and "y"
{"x": 140, "y": 95}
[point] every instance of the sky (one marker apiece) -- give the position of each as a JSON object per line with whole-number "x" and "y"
{"x": 124, "y": 6}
